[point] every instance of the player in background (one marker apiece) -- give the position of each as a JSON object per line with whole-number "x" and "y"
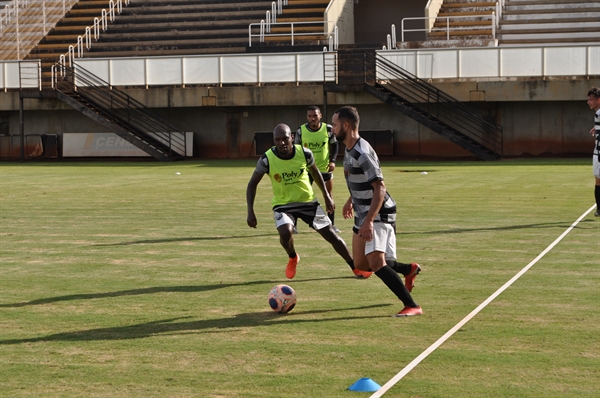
{"x": 317, "y": 137}
{"x": 373, "y": 209}
{"x": 593, "y": 101}
{"x": 288, "y": 167}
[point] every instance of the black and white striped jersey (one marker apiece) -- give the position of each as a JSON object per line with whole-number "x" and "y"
{"x": 361, "y": 168}
{"x": 597, "y": 127}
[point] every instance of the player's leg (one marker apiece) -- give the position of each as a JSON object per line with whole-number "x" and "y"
{"x": 597, "y": 196}
{"x": 328, "y": 178}
{"x": 324, "y": 227}
{"x": 597, "y": 187}
{"x": 410, "y": 270}
{"x": 381, "y": 246}
{"x": 285, "y": 224}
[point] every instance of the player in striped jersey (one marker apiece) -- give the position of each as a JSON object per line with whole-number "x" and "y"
{"x": 374, "y": 211}
{"x": 594, "y": 104}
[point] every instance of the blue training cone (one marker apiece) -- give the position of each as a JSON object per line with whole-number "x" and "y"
{"x": 364, "y": 385}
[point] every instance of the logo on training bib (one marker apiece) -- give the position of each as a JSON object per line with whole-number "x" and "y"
{"x": 314, "y": 146}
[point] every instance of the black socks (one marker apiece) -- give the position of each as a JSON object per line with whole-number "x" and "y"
{"x": 394, "y": 283}
{"x": 351, "y": 264}
{"x": 400, "y": 268}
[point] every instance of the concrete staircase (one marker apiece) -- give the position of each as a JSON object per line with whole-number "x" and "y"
{"x": 460, "y": 23}
{"x": 550, "y": 22}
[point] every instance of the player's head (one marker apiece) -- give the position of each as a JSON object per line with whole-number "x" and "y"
{"x": 282, "y": 137}
{"x": 594, "y": 98}
{"x": 313, "y": 115}
{"x": 344, "y": 121}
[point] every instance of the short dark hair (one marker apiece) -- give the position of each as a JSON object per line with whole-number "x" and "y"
{"x": 595, "y": 91}
{"x": 349, "y": 114}
{"x": 313, "y": 108}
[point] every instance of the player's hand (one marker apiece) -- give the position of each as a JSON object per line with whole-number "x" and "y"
{"x": 251, "y": 220}
{"x": 331, "y": 167}
{"x": 366, "y": 231}
{"x": 347, "y": 210}
{"x": 593, "y": 131}
{"x": 329, "y": 204}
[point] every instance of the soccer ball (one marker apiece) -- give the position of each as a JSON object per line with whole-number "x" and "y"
{"x": 282, "y": 298}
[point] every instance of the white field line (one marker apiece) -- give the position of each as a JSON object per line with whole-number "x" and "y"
{"x": 466, "y": 319}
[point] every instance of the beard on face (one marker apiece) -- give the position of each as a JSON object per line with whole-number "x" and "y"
{"x": 341, "y": 134}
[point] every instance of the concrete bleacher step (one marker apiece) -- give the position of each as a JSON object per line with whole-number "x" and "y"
{"x": 551, "y": 27}
{"x": 478, "y": 32}
{"x": 470, "y": 4}
{"x": 465, "y": 13}
{"x": 442, "y": 24}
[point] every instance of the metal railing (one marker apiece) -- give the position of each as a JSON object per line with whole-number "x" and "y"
{"x": 101, "y": 23}
{"x": 265, "y": 31}
{"x": 494, "y": 23}
{"x": 23, "y": 23}
{"x": 120, "y": 108}
{"x": 421, "y": 95}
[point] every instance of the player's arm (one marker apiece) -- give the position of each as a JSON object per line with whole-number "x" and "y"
{"x": 298, "y": 136}
{"x": 318, "y": 179}
{"x": 347, "y": 209}
{"x": 366, "y": 230}
{"x": 250, "y": 196}
{"x": 333, "y": 149}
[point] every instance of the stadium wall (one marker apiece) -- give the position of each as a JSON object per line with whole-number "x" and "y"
{"x": 540, "y": 117}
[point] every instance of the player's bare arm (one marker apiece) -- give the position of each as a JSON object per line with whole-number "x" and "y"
{"x": 250, "y": 196}
{"x": 318, "y": 178}
{"x": 347, "y": 211}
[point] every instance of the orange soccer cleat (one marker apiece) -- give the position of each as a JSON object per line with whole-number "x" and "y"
{"x": 358, "y": 274}
{"x": 290, "y": 270}
{"x": 409, "y": 280}
{"x": 410, "y": 311}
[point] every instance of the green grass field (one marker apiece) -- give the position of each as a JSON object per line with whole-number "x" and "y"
{"x": 124, "y": 279}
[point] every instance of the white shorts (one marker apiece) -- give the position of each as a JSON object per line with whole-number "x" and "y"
{"x": 596, "y": 167}
{"x": 384, "y": 240}
{"x": 311, "y": 213}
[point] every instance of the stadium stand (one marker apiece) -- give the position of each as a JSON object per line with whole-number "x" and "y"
{"x": 549, "y": 22}
{"x": 458, "y": 23}
{"x": 468, "y": 19}
{"x": 178, "y": 27}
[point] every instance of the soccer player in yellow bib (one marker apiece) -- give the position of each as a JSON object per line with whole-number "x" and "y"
{"x": 317, "y": 137}
{"x": 288, "y": 167}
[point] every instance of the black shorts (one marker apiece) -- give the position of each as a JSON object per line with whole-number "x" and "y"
{"x": 311, "y": 213}
{"x": 326, "y": 176}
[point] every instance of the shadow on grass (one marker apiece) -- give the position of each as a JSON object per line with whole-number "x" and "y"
{"x": 171, "y": 326}
{"x": 188, "y": 239}
{"x": 557, "y": 224}
{"x": 158, "y": 289}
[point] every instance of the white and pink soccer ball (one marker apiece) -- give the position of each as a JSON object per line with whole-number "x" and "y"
{"x": 282, "y": 298}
